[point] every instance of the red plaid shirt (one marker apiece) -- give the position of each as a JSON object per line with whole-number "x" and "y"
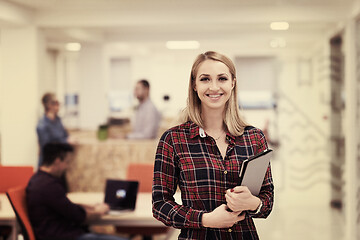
{"x": 194, "y": 163}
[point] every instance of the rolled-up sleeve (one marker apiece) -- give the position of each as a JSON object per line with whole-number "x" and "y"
{"x": 166, "y": 175}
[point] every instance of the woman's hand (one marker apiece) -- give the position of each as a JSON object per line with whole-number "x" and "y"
{"x": 240, "y": 199}
{"x": 221, "y": 218}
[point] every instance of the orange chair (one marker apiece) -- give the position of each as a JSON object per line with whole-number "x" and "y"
{"x": 17, "y": 198}
{"x": 13, "y": 176}
{"x": 142, "y": 172}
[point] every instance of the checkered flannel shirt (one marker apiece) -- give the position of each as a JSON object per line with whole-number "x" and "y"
{"x": 193, "y": 162}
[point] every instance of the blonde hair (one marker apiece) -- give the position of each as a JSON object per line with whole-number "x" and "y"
{"x": 233, "y": 121}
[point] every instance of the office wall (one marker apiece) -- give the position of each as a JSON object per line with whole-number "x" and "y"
{"x": 304, "y": 131}
{"x": 47, "y": 74}
{"x": 169, "y": 75}
{"x": 93, "y": 106}
{"x": 19, "y": 94}
{"x": 167, "y": 71}
{"x": 352, "y": 125}
{"x": 88, "y": 73}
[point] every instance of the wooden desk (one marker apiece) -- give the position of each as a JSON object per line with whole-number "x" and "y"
{"x": 7, "y": 215}
{"x": 139, "y": 221}
{"x": 141, "y": 216}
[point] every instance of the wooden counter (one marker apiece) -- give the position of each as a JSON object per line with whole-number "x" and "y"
{"x": 95, "y": 161}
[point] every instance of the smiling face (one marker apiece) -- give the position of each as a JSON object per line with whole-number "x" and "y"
{"x": 213, "y": 84}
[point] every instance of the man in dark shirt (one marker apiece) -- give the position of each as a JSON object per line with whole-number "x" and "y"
{"x": 52, "y": 215}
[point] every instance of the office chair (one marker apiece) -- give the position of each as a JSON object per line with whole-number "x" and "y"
{"x": 17, "y": 198}
{"x": 14, "y": 176}
{"x": 142, "y": 172}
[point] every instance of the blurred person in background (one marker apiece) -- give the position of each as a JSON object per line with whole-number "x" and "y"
{"x": 203, "y": 156}
{"x": 52, "y": 215}
{"x": 50, "y": 128}
{"x": 147, "y": 118}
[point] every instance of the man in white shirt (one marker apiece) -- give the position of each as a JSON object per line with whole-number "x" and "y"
{"x": 147, "y": 118}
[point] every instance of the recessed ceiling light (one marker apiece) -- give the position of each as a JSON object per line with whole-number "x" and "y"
{"x": 279, "y": 26}
{"x": 73, "y": 47}
{"x": 182, "y": 44}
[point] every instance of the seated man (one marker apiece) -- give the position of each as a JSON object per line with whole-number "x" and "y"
{"x": 52, "y": 215}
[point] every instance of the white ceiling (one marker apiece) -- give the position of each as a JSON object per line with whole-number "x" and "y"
{"x": 136, "y": 4}
{"x": 203, "y": 20}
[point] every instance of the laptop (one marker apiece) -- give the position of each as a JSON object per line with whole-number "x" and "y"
{"x": 121, "y": 195}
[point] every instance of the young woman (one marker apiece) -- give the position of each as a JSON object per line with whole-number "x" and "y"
{"x": 203, "y": 156}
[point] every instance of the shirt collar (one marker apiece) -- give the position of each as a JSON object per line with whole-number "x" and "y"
{"x": 49, "y": 120}
{"x": 195, "y": 131}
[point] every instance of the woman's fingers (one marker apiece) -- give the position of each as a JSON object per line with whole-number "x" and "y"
{"x": 239, "y": 198}
{"x": 241, "y": 216}
{"x": 239, "y": 189}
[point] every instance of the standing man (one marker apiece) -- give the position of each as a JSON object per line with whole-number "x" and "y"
{"x": 147, "y": 118}
{"x": 52, "y": 215}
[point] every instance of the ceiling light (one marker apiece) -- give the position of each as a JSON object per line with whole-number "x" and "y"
{"x": 279, "y": 26}
{"x": 182, "y": 44}
{"x": 73, "y": 47}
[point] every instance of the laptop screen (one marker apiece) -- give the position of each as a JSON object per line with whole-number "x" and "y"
{"x": 121, "y": 194}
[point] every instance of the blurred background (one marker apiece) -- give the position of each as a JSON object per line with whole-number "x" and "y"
{"x": 298, "y": 66}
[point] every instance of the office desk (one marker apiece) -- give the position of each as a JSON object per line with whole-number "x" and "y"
{"x": 141, "y": 216}
{"x": 139, "y": 221}
{"x": 7, "y": 215}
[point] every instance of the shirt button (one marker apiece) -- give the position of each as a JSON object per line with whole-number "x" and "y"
{"x": 230, "y": 230}
{"x": 225, "y": 172}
